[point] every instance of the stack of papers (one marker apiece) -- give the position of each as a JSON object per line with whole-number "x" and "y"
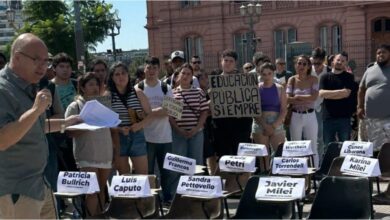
{"x": 96, "y": 116}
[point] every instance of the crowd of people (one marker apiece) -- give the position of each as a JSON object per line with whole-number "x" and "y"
{"x": 317, "y": 103}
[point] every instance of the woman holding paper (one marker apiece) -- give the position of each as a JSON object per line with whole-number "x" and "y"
{"x": 92, "y": 149}
{"x": 129, "y": 139}
{"x": 188, "y": 131}
{"x": 302, "y": 91}
{"x": 268, "y": 128}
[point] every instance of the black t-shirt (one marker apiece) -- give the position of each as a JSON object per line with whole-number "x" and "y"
{"x": 339, "y": 108}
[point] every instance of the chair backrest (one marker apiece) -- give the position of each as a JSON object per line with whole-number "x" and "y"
{"x": 233, "y": 182}
{"x": 192, "y": 208}
{"x": 336, "y": 166}
{"x": 332, "y": 151}
{"x": 384, "y": 159}
{"x": 342, "y": 198}
{"x": 250, "y": 208}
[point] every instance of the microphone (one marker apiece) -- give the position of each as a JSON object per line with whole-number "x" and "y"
{"x": 44, "y": 84}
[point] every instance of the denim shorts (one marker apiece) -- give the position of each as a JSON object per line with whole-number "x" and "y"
{"x": 133, "y": 144}
{"x": 269, "y": 119}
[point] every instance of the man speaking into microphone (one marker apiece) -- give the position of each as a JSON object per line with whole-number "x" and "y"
{"x": 23, "y": 144}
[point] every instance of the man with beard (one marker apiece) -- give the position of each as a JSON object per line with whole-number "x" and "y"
{"x": 338, "y": 89}
{"x": 373, "y": 103}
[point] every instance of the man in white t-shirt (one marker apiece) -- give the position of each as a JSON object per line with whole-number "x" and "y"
{"x": 158, "y": 133}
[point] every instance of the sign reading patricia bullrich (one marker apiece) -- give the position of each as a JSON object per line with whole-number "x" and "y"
{"x": 280, "y": 188}
{"x": 297, "y": 148}
{"x": 235, "y": 95}
{"x": 249, "y": 149}
{"x": 130, "y": 186}
{"x": 357, "y": 148}
{"x": 179, "y": 164}
{"x": 360, "y": 166}
{"x": 206, "y": 186}
{"x": 237, "y": 164}
{"x": 290, "y": 165}
{"x": 77, "y": 182}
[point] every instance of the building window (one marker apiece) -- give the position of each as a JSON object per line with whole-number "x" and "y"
{"x": 382, "y": 25}
{"x": 282, "y": 37}
{"x": 193, "y": 45}
{"x": 243, "y": 48}
{"x": 189, "y": 3}
{"x": 330, "y": 38}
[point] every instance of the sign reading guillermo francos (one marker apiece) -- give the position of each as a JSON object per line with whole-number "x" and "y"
{"x": 77, "y": 182}
{"x": 249, "y": 149}
{"x": 130, "y": 186}
{"x": 289, "y": 165}
{"x": 357, "y": 148}
{"x": 237, "y": 163}
{"x": 280, "y": 188}
{"x": 297, "y": 148}
{"x": 206, "y": 186}
{"x": 360, "y": 166}
{"x": 179, "y": 164}
{"x": 235, "y": 95}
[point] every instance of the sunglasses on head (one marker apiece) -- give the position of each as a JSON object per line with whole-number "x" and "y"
{"x": 302, "y": 63}
{"x": 197, "y": 62}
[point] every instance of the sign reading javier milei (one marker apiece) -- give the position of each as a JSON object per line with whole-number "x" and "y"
{"x": 235, "y": 95}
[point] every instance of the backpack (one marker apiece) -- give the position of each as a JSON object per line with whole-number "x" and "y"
{"x": 164, "y": 86}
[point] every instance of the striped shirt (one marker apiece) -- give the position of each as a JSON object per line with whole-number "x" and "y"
{"x": 133, "y": 106}
{"x": 195, "y": 102}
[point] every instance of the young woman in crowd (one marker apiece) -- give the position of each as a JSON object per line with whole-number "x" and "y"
{"x": 268, "y": 128}
{"x": 92, "y": 150}
{"x": 188, "y": 131}
{"x": 302, "y": 91}
{"x": 132, "y": 108}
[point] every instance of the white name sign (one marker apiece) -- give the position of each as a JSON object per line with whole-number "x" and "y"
{"x": 205, "y": 186}
{"x": 249, "y": 149}
{"x": 179, "y": 164}
{"x": 77, "y": 182}
{"x": 173, "y": 106}
{"x": 130, "y": 186}
{"x": 291, "y": 165}
{"x": 237, "y": 164}
{"x": 280, "y": 188}
{"x": 360, "y": 166}
{"x": 357, "y": 148}
{"x": 297, "y": 148}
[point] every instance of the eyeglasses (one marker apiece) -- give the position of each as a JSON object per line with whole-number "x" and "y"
{"x": 302, "y": 63}
{"x": 248, "y": 67}
{"x": 197, "y": 62}
{"x": 37, "y": 62}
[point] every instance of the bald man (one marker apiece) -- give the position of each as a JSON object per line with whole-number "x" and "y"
{"x": 23, "y": 145}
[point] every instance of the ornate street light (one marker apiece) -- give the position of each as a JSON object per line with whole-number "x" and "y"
{"x": 251, "y": 15}
{"x": 115, "y": 27}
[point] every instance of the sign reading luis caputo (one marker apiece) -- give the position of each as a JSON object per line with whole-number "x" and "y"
{"x": 234, "y": 95}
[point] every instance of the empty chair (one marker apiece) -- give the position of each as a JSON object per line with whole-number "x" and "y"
{"x": 336, "y": 166}
{"x": 384, "y": 160}
{"x": 250, "y": 208}
{"x": 332, "y": 151}
{"x": 342, "y": 198}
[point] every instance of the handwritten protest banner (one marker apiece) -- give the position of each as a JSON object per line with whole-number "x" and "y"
{"x": 77, "y": 182}
{"x": 280, "y": 188}
{"x": 174, "y": 107}
{"x": 357, "y": 148}
{"x": 206, "y": 186}
{"x": 105, "y": 100}
{"x": 235, "y": 95}
{"x": 130, "y": 186}
{"x": 179, "y": 164}
{"x": 360, "y": 166}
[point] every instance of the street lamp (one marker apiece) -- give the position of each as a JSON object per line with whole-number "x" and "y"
{"x": 251, "y": 15}
{"x": 115, "y": 24}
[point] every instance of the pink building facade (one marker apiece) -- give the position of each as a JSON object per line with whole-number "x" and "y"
{"x": 206, "y": 28}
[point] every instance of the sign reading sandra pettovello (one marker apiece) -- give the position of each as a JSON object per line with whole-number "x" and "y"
{"x": 235, "y": 95}
{"x": 207, "y": 186}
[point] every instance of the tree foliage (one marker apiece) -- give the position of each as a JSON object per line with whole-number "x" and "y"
{"x": 54, "y": 21}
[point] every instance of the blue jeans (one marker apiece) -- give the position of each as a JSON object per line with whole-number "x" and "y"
{"x": 188, "y": 147}
{"x": 337, "y": 126}
{"x": 157, "y": 152}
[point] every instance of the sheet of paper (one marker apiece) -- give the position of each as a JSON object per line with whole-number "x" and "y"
{"x": 84, "y": 126}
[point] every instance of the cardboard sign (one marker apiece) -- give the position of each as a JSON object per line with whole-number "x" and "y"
{"x": 280, "y": 188}
{"x": 291, "y": 165}
{"x": 179, "y": 164}
{"x": 297, "y": 148}
{"x": 130, "y": 186}
{"x": 249, "y": 149}
{"x": 105, "y": 100}
{"x": 174, "y": 107}
{"x": 205, "y": 186}
{"x": 360, "y": 166}
{"x": 357, "y": 148}
{"x": 237, "y": 164}
{"x": 235, "y": 95}
{"x": 77, "y": 182}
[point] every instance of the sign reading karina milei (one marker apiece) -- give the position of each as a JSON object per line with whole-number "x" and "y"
{"x": 205, "y": 186}
{"x": 179, "y": 164}
{"x": 297, "y": 148}
{"x": 235, "y": 95}
{"x": 360, "y": 166}
{"x": 130, "y": 186}
{"x": 357, "y": 148}
{"x": 280, "y": 188}
{"x": 237, "y": 163}
{"x": 77, "y": 182}
{"x": 249, "y": 149}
